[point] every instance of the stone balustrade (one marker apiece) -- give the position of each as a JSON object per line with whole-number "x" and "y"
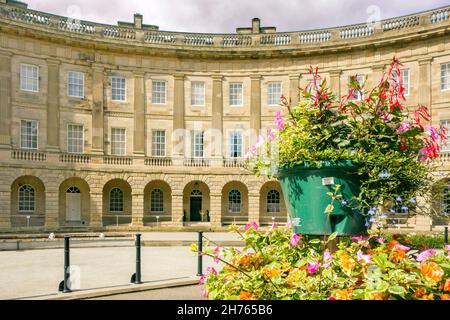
{"x": 28, "y": 155}
{"x": 18, "y": 13}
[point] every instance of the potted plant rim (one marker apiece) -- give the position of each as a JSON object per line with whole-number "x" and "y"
{"x": 346, "y": 162}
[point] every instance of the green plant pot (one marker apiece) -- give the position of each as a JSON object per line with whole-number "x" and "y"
{"x": 305, "y": 191}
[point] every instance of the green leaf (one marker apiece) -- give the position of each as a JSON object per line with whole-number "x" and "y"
{"x": 314, "y": 241}
{"x": 398, "y": 290}
{"x": 332, "y": 236}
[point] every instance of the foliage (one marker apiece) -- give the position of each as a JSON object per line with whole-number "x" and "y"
{"x": 390, "y": 145}
{"x": 279, "y": 265}
{"x": 418, "y": 241}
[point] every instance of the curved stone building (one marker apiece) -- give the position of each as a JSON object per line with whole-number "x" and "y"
{"x": 127, "y": 127}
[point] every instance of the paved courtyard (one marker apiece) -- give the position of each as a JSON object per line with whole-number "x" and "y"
{"x": 34, "y": 273}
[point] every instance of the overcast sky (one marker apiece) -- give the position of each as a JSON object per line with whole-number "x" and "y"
{"x": 223, "y": 16}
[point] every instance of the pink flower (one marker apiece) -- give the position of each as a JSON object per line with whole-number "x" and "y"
{"x": 433, "y": 133}
{"x": 365, "y": 257}
{"x": 447, "y": 246}
{"x": 401, "y": 247}
{"x": 425, "y": 255}
{"x": 260, "y": 142}
{"x": 279, "y": 121}
{"x": 360, "y": 238}
{"x": 327, "y": 256}
{"x": 312, "y": 267}
{"x": 247, "y": 156}
{"x": 404, "y": 126}
{"x": 380, "y": 239}
{"x": 202, "y": 280}
{"x": 252, "y": 224}
{"x": 295, "y": 239}
{"x": 331, "y": 298}
{"x": 271, "y": 135}
{"x": 211, "y": 270}
{"x": 216, "y": 252}
{"x": 205, "y": 293}
{"x": 274, "y": 226}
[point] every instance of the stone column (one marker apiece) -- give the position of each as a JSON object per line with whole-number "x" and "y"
{"x": 335, "y": 82}
{"x": 5, "y": 100}
{"x": 177, "y": 210}
{"x": 217, "y": 116}
{"x": 215, "y": 212}
{"x": 294, "y": 88}
{"x": 139, "y": 115}
{"x": 375, "y": 77}
{"x": 178, "y": 119}
{"x": 51, "y": 209}
{"x": 53, "y": 105}
{"x": 137, "y": 205}
{"x": 425, "y": 81}
{"x": 5, "y": 207}
{"x": 97, "y": 109}
{"x": 255, "y": 107}
{"x": 96, "y": 218}
{"x": 253, "y": 207}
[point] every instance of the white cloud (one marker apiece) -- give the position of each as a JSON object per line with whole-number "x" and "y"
{"x": 219, "y": 16}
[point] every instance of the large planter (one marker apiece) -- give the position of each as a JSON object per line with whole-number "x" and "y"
{"x": 305, "y": 191}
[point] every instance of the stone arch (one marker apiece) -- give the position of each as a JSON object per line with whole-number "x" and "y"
{"x": 265, "y": 214}
{"x": 36, "y": 214}
{"x": 190, "y": 203}
{"x": 230, "y": 212}
{"x": 150, "y": 213}
{"x": 440, "y": 202}
{"x": 85, "y": 201}
{"x": 122, "y": 217}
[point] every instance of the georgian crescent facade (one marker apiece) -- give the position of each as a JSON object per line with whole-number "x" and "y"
{"x": 90, "y": 114}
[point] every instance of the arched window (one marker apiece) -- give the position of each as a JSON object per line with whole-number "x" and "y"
{"x": 273, "y": 201}
{"x": 446, "y": 201}
{"x": 234, "y": 201}
{"x": 73, "y": 190}
{"x": 157, "y": 201}
{"x": 196, "y": 193}
{"x": 116, "y": 200}
{"x": 26, "y": 199}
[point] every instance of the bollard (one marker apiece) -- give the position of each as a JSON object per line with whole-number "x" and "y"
{"x": 446, "y": 235}
{"x": 136, "y": 278}
{"x": 200, "y": 255}
{"x": 64, "y": 285}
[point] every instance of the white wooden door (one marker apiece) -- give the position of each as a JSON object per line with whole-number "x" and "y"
{"x": 73, "y": 207}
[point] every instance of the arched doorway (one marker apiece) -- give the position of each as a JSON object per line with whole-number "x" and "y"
{"x": 73, "y": 205}
{"x": 74, "y": 202}
{"x": 196, "y": 202}
{"x": 27, "y": 202}
{"x": 195, "y": 205}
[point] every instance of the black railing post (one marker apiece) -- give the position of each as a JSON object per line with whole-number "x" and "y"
{"x": 64, "y": 285}
{"x": 136, "y": 278}
{"x": 446, "y": 235}
{"x": 200, "y": 255}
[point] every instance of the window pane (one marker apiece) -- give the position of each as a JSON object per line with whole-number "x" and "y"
{"x": 197, "y": 144}
{"x": 75, "y": 84}
{"x": 198, "y": 93}
{"x": 118, "y": 144}
{"x": 29, "y": 77}
{"x": 445, "y": 76}
{"x": 157, "y": 201}
{"x": 28, "y": 134}
{"x": 274, "y": 93}
{"x": 118, "y": 88}
{"x": 75, "y": 138}
{"x": 159, "y": 92}
{"x": 273, "y": 201}
{"x": 116, "y": 200}
{"x": 234, "y": 201}
{"x": 235, "y": 144}
{"x": 158, "y": 143}
{"x": 235, "y": 94}
{"x": 26, "y": 199}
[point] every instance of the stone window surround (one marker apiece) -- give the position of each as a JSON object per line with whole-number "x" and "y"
{"x": 21, "y": 133}
{"x": 22, "y": 76}
{"x": 75, "y": 84}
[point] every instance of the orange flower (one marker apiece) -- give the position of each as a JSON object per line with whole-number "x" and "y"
{"x": 392, "y": 244}
{"x": 247, "y": 296}
{"x": 420, "y": 292}
{"x": 445, "y": 296}
{"x": 432, "y": 271}
{"x": 398, "y": 255}
{"x": 269, "y": 272}
{"x": 294, "y": 276}
{"x": 428, "y": 297}
{"x": 347, "y": 263}
{"x": 344, "y": 294}
{"x": 376, "y": 296}
{"x": 447, "y": 285}
{"x": 251, "y": 259}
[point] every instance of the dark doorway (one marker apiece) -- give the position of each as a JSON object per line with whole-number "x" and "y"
{"x": 196, "y": 207}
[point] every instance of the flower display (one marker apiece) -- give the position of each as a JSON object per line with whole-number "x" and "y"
{"x": 270, "y": 268}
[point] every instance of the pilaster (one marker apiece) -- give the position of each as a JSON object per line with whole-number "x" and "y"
{"x": 97, "y": 108}
{"x": 5, "y": 100}
{"x": 139, "y": 115}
